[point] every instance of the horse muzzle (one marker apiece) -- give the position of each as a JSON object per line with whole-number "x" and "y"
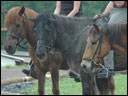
{"x": 10, "y": 45}
{"x": 10, "y": 49}
{"x": 87, "y": 66}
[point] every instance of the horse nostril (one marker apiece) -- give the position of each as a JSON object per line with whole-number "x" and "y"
{"x": 9, "y": 47}
{"x": 84, "y": 66}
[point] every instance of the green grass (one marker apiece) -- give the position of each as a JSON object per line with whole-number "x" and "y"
{"x": 69, "y": 87}
{"x": 9, "y": 66}
{"x": 16, "y": 66}
{"x": 121, "y": 84}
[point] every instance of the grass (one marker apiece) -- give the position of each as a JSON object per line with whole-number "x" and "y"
{"x": 16, "y": 66}
{"x": 69, "y": 87}
{"x": 9, "y": 66}
{"x": 121, "y": 84}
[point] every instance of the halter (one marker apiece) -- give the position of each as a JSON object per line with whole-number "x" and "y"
{"x": 98, "y": 48}
{"x": 99, "y": 41}
{"x": 19, "y": 39}
{"x": 103, "y": 71}
{"x": 18, "y": 44}
{"x": 18, "y": 36}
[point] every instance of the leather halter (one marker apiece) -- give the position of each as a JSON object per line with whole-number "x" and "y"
{"x": 97, "y": 50}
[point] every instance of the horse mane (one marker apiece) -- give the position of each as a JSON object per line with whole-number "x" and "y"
{"x": 117, "y": 33}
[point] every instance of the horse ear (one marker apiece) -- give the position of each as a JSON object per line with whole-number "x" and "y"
{"x": 21, "y": 12}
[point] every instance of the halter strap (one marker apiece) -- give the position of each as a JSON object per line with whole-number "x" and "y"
{"x": 18, "y": 44}
{"x": 98, "y": 48}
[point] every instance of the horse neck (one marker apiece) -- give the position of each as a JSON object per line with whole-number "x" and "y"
{"x": 30, "y": 38}
{"x": 29, "y": 34}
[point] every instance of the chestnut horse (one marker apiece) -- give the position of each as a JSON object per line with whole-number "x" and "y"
{"x": 19, "y": 28}
{"x": 97, "y": 47}
{"x": 99, "y": 43}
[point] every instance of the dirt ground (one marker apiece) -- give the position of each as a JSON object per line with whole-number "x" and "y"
{"x": 11, "y": 77}
{"x": 11, "y": 73}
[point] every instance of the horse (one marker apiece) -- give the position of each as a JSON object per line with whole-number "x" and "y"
{"x": 99, "y": 43}
{"x": 20, "y": 28}
{"x": 61, "y": 34}
{"x": 66, "y": 35}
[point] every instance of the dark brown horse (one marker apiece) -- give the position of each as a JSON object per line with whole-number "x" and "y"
{"x": 54, "y": 35}
{"x": 20, "y": 27}
{"x": 99, "y": 43}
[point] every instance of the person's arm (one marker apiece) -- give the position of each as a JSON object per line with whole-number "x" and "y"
{"x": 75, "y": 10}
{"x": 58, "y": 8}
{"x": 108, "y": 9}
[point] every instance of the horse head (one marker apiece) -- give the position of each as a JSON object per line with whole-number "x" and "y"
{"x": 96, "y": 49}
{"x": 16, "y": 24}
{"x": 45, "y": 34}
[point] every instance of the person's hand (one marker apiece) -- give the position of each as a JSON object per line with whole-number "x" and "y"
{"x": 55, "y": 13}
{"x": 97, "y": 17}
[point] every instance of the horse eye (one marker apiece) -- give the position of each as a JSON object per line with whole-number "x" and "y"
{"x": 17, "y": 25}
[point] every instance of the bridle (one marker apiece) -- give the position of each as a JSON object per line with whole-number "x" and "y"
{"x": 18, "y": 36}
{"x": 99, "y": 41}
{"x": 19, "y": 39}
{"x": 97, "y": 50}
{"x": 96, "y": 53}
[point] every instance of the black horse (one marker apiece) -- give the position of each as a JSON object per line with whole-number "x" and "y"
{"x": 66, "y": 35}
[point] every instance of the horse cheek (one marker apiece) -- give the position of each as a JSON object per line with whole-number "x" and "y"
{"x": 105, "y": 48}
